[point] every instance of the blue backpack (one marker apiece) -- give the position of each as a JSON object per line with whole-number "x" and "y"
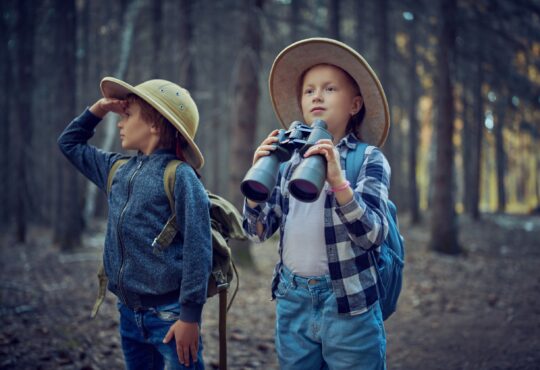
{"x": 392, "y": 256}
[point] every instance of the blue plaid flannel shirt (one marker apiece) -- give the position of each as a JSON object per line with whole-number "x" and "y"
{"x": 350, "y": 231}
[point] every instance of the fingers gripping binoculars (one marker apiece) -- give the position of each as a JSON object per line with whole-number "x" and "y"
{"x": 308, "y": 178}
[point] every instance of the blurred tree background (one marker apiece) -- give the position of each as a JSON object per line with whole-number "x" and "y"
{"x": 462, "y": 78}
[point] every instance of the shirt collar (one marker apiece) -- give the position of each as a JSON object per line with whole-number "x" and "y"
{"x": 350, "y": 141}
{"x": 158, "y": 151}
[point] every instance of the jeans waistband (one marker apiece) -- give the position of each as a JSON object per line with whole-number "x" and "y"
{"x": 145, "y": 301}
{"x": 308, "y": 282}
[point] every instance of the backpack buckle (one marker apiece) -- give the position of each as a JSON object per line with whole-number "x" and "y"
{"x": 221, "y": 282}
{"x": 157, "y": 248}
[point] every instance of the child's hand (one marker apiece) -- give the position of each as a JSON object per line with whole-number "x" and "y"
{"x": 186, "y": 335}
{"x": 326, "y": 148}
{"x": 266, "y": 146}
{"x": 105, "y": 105}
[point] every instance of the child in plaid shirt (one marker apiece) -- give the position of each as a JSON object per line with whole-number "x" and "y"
{"x": 327, "y": 311}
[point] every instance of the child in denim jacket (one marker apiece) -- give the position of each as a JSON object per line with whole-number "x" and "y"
{"x": 160, "y": 295}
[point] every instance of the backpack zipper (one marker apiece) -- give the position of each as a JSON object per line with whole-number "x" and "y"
{"x": 120, "y": 240}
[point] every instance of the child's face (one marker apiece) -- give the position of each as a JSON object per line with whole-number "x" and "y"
{"x": 328, "y": 94}
{"x": 135, "y": 132}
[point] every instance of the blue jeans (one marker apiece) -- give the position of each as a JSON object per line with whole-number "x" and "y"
{"x": 310, "y": 334}
{"x": 142, "y": 334}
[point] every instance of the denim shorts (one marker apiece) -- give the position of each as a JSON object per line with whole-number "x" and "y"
{"x": 310, "y": 334}
{"x": 142, "y": 334}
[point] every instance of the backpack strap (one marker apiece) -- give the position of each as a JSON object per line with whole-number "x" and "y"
{"x": 354, "y": 161}
{"x": 112, "y": 172}
{"x": 353, "y": 164}
{"x": 169, "y": 231}
{"x": 102, "y": 290}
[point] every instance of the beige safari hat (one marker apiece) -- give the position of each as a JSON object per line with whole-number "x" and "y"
{"x": 294, "y": 60}
{"x": 169, "y": 99}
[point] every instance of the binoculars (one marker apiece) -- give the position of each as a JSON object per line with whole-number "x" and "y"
{"x": 308, "y": 178}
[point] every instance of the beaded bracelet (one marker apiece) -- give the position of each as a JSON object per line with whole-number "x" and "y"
{"x": 341, "y": 187}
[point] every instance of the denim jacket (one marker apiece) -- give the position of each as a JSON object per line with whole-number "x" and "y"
{"x": 138, "y": 209}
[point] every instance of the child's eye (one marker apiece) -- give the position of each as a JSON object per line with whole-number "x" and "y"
{"x": 308, "y": 91}
{"x": 331, "y": 88}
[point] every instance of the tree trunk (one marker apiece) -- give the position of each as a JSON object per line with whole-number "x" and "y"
{"x": 382, "y": 68}
{"x": 444, "y": 226}
{"x": 187, "y": 70}
{"x": 413, "y": 128}
{"x": 108, "y": 123}
{"x": 360, "y": 38}
{"x": 500, "y": 157}
{"x": 537, "y": 174}
{"x": 67, "y": 216}
{"x": 5, "y": 108}
{"x": 295, "y": 19}
{"x": 157, "y": 36}
{"x": 334, "y": 19}
{"x": 23, "y": 79}
{"x": 473, "y": 136}
{"x": 245, "y": 101}
{"x": 220, "y": 124}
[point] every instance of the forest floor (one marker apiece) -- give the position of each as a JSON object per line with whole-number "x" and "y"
{"x": 478, "y": 310}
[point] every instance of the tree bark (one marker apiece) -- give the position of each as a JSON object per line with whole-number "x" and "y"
{"x": 295, "y": 19}
{"x": 157, "y": 37}
{"x": 473, "y": 132}
{"x": 413, "y": 128}
{"x": 245, "y": 110}
{"x": 187, "y": 68}
{"x": 382, "y": 68}
{"x": 108, "y": 123}
{"x": 334, "y": 19}
{"x": 68, "y": 219}
{"x": 5, "y": 108}
{"x": 22, "y": 65}
{"x": 444, "y": 231}
{"x": 500, "y": 157}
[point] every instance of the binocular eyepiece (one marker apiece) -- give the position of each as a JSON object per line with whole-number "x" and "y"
{"x": 308, "y": 178}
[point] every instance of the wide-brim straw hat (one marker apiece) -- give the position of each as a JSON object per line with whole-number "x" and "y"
{"x": 169, "y": 99}
{"x": 294, "y": 60}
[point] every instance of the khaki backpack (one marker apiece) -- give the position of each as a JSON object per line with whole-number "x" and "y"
{"x": 226, "y": 223}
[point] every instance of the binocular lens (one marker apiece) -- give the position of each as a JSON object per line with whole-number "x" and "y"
{"x": 304, "y": 190}
{"x": 254, "y": 190}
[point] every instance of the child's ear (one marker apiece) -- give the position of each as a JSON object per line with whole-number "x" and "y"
{"x": 357, "y": 104}
{"x": 154, "y": 129}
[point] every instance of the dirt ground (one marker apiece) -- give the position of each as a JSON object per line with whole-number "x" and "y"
{"x": 480, "y": 310}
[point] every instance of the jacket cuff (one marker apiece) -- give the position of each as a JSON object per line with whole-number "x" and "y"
{"x": 190, "y": 312}
{"x": 252, "y": 213}
{"x": 89, "y": 119}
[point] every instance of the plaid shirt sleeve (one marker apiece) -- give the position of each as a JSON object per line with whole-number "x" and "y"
{"x": 268, "y": 214}
{"x": 364, "y": 217}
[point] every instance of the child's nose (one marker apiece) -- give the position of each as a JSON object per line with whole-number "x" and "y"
{"x": 317, "y": 96}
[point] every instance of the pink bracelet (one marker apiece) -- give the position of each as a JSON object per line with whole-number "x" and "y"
{"x": 341, "y": 187}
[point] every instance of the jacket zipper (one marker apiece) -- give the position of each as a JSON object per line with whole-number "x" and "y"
{"x": 120, "y": 239}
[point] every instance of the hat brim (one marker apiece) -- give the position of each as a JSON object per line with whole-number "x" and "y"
{"x": 114, "y": 88}
{"x": 294, "y": 60}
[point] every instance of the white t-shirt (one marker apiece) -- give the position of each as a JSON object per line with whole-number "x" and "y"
{"x": 304, "y": 247}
